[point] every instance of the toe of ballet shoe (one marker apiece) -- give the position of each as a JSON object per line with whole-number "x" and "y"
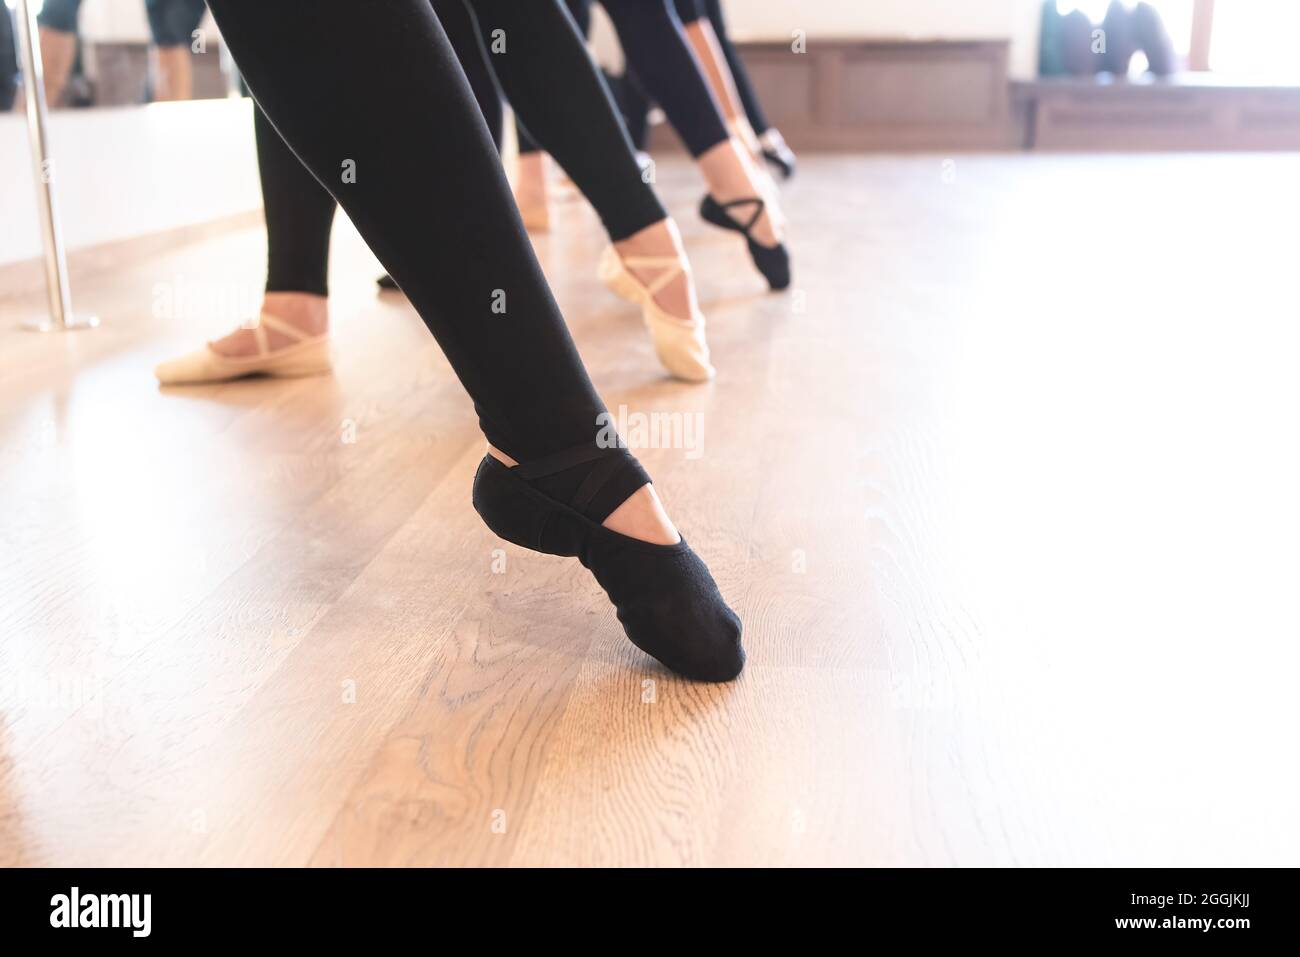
{"x": 705, "y": 647}
{"x": 204, "y": 366}
{"x": 670, "y": 608}
{"x": 773, "y": 262}
{"x": 688, "y": 367}
{"x": 201, "y": 365}
{"x": 697, "y": 639}
{"x": 681, "y": 347}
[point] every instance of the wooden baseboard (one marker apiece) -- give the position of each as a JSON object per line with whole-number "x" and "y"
{"x": 885, "y": 94}
{"x": 956, "y": 95}
{"x": 1192, "y": 113}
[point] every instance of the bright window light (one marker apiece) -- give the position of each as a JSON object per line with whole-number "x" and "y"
{"x": 1256, "y": 39}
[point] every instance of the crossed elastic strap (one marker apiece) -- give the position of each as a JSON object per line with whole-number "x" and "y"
{"x": 264, "y": 322}
{"x": 671, "y": 266}
{"x": 755, "y": 201}
{"x": 611, "y": 464}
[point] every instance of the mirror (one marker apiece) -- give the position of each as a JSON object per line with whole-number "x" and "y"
{"x": 126, "y": 52}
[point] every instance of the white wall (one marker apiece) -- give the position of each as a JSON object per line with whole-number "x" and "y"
{"x": 1016, "y": 20}
{"x": 130, "y": 171}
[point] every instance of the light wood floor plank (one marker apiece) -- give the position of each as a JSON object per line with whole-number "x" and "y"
{"x": 1003, "y": 490}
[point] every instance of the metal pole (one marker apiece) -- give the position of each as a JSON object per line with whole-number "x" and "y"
{"x": 56, "y": 264}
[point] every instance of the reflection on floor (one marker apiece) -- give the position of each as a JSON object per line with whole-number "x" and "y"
{"x": 1003, "y": 488}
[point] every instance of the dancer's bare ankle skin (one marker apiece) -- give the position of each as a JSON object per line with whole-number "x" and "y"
{"x": 530, "y": 182}
{"x": 732, "y": 175}
{"x": 641, "y": 516}
{"x": 677, "y": 298}
{"x": 708, "y": 50}
{"x": 306, "y": 312}
{"x": 58, "y": 52}
{"x": 174, "y": 74}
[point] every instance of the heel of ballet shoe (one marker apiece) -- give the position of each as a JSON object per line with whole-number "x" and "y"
{"x": 617, "y": 278}
{"x": 510, "y": 515}
{"x": 711, "y": 212}
{"x": 772, "y": 261}
{"x": 518, "y": 513}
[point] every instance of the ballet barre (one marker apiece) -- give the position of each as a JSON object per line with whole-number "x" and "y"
{"x": 61, "y": 316}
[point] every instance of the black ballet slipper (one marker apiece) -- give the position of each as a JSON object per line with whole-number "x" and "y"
{"x": 772, "y": 261}
{"x": 781, "y": 159}
{"x": 776, "y": 151}
{"x": 386, "y": 282}
{"x": 667, "y": 602}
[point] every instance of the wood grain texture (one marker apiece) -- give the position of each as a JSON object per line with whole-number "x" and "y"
{"x": 1003, "y": 489}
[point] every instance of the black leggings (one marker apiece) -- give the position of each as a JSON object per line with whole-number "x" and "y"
{"x": 558, "y": 94}
{"x": 580, "y": 11}
{"x": 692, "y": 10}
{"x": 635, "y": 105}
{"x": 546, "y": 69}
{"x": 8, "y": 61}
{"x": 429, "y": 197}
{"x": 663, "y": 64}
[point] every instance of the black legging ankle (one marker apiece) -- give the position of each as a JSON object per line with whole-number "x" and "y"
{"x": 428, "y": 196}
{"x": 692, "y": 10}
{"x": 299, "y": 216}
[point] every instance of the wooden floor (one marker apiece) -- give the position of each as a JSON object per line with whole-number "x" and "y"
{"x": 1005, "y": 491}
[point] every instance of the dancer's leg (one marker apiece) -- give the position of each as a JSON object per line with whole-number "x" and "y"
{"x": 532, "y": 190}
{"x": 404, "y": 176}
{"x": 739, "y": 75}
{"x": 479, "y": 289}
{"x": 657, "y": 49}
{"x": 8, "y": 61}
{"x": 58, "y": 23}
{"x": 462, "y": 31}
{"x": 770, "y": 141}
{"x": 560, "y": 96}
{"x": 699, "y": 31}
{"x": 171, "y": 25}
{"x": 635, "y": 107}
{"x": 580, "y": 11}
{"x": 561, "y": 99}
{"x": 299, "y": 214}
